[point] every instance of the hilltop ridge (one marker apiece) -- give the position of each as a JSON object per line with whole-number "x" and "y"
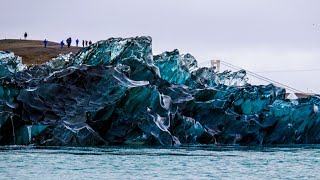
{"x": 33, "y": 52}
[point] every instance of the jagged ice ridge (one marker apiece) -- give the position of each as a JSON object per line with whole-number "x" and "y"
{"x": 117, "y": 92}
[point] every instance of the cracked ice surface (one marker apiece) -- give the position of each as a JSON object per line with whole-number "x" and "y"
{"x": 117, "y": 92}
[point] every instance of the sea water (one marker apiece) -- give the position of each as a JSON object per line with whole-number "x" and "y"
{"x": 197, "y": 162}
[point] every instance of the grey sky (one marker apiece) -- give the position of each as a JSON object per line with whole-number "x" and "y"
{"x": 258, "y": 35}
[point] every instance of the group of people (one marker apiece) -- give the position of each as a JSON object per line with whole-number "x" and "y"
{"x": 85, "y": 43}
{"x": 69, "y": 41}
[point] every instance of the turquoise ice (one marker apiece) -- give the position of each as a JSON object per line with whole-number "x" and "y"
{"x": 117, "y": 92}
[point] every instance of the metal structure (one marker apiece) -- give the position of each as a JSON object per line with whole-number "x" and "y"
{"x": 216, "y": 65}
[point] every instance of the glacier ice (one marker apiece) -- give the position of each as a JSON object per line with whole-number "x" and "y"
{"x": 117, "y": 92}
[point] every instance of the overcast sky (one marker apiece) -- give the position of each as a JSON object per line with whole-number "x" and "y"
{"x": 258, "y": 35}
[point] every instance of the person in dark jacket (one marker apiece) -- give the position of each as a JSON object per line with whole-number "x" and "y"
{"x": 69, "y": 42}
{"x": 45, "y": 42}
{"x": 82, "y": 43}
{"x": 77, "y": 42}
{"x": 61, "y": 44}
{"x": 90, "y": 43}
{"x": 25, "y": 35}
{"x": 86, "y": 43}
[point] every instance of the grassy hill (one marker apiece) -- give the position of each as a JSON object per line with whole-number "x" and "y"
{"x": 33, "y": 51}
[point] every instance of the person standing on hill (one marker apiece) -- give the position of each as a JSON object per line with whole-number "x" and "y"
{"x": 61, "y": 44}
{"x": 82, "y": 43}
{"x": 86, "y": 43}
{"x": 25, "y": 35}
{"x": 77, "y": 42}
{"x": 45, "y": 42}
{"x": 90, "y": 43}
{"x": 69, "y": 42}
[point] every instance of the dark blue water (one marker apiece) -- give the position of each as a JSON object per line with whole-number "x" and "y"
{"x": 19, "y": 162}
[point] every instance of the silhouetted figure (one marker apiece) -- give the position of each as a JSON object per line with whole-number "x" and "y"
{"x": 82, "y": 43}
{"x": 77, "y": 42}
{"x": 61, "y": 44}
{"x": 86, "y": 43}
{"x": 90, "y": 43}
{"x": 25, "y": 35}
{"x": 45, "y": 42}
{"x": 69, "y": 42}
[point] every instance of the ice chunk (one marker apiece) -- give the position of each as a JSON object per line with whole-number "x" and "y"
{"x": 117, "y": 92}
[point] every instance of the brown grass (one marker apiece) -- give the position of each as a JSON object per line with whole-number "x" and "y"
{"x": 33, "y": 52}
